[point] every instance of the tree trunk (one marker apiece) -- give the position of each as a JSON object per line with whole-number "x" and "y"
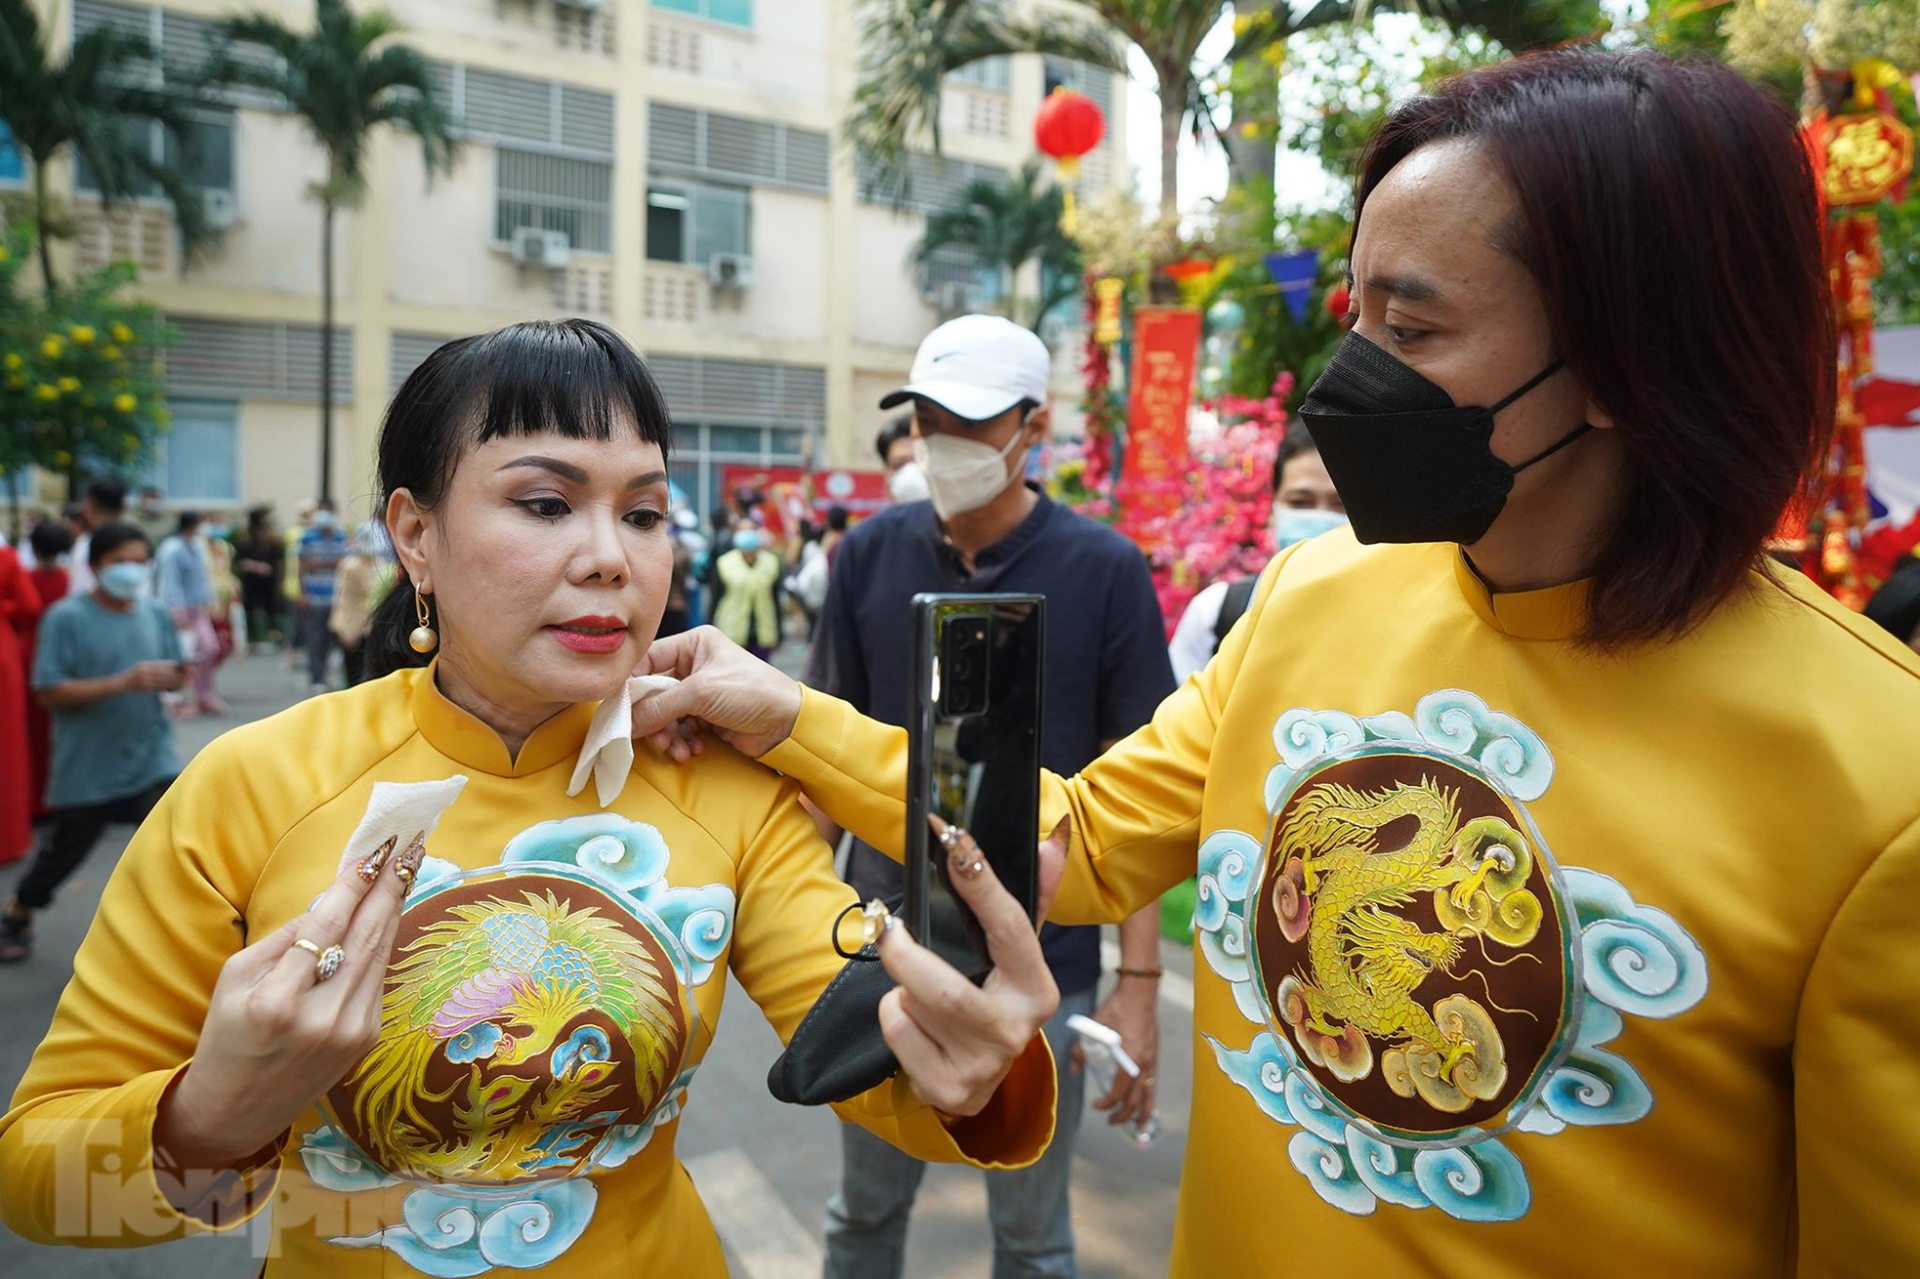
{"x": 326, "y": 350}
{"x": 1176, "y": 85}
{"x": 1249, "y": 159}
{"x": 40, "y": 224}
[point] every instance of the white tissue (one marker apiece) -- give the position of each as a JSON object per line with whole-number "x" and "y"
{"x": 402, "y": 811}
{"x": 607, "y": 753}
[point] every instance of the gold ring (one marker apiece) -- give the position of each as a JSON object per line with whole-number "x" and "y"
{"x": 325, "y": 962}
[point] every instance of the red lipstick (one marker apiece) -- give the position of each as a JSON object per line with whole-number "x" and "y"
{"x": 591, "y": 634}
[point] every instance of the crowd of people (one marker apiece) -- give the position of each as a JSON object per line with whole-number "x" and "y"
{"x": 1503, "y": 707}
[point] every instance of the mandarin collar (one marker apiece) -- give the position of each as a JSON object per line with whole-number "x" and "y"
{"x": 1026, "y": 531}
{"x": 1552, "y": 613}
{"x": 462, "y": 738}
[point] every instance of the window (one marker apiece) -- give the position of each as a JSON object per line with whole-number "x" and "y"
{"x": 736, "y": 13}
{"x": 555, "y": 193}
{"x": 216, "y": 359}
{"x": 1095, "y": 83}
{"x": 970, "y": 279}
{"x": 212, "y": 137}
{"x": 926, "y": 183}
{"x": 198, "y": 459}
{"x": 689, "y": 222}
{"x": 13, "y": 165}
{"x": 994, "y": 73}
{"x": 702, "y": 454}
{"x": 733, "y": 412}
{"x": 723, "y": 148}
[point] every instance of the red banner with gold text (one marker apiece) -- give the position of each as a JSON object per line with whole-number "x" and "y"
{"x": 1166, "y": 342}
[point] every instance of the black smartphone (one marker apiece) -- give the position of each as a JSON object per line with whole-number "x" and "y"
{"x": 974, "y": 746}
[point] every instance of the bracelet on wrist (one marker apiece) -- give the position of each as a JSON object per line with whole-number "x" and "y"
{"x": 1153, "y": 974}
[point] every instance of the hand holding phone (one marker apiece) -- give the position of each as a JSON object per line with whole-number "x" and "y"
{"x": 974, "y": 748}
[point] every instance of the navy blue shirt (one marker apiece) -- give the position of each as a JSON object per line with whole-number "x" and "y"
{"x": 1107, "y": 667}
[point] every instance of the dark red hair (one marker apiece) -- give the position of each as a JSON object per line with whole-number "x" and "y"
{"x": 1667, "y": 209}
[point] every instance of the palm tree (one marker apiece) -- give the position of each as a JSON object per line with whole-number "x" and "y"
{"x": 908, "y": 46}
{"x": 343, "y": 79}
{"x": 92, "y": 105}
{"x": 1009, "y": 225}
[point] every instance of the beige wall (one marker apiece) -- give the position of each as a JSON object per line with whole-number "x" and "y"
{"x": 280, "y": 454}
{"x": 887, "y": 309}
{"x": 776, "y": 69}
{"x": 275, "y": 246}
{"x": 440, "y": 251}
{"x": 788, "y": 300}
{"x": 867, "y": 417}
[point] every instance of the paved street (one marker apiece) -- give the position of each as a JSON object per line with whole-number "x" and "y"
{"x": 765, "y": 1169}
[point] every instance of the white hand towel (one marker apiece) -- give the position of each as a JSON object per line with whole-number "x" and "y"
{"x": 607, "y": 753}
{"x": 402, "y": 811}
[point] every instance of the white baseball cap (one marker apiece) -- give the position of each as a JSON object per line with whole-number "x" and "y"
{"x": 977, "y": 367}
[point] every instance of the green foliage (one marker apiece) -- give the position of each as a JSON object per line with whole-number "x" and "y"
{"x": 908, "y": 47}
{"x": 1271, "y": 340}
{"x": 1896, "y": 294}
{"x": 1681, "y": 28}
{"x": 79, "y": 386}
{"x": 1351, "y": 79}
{"x": 1344, "y": 81}
{"x": 343, "y": 79}
{"x": 85, "y": 106}
{"x": 1010, "y": 225}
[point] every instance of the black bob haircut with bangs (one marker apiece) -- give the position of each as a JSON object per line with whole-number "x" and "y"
{"x": 573, "y": 378}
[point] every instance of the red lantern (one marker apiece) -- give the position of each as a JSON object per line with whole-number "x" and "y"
{"x": 1067, "y": 126}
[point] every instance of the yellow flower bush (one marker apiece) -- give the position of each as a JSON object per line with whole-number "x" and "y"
{"x": 82, "y": 334}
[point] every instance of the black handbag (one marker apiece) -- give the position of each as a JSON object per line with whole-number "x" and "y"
{"x": 838, "y": 1052}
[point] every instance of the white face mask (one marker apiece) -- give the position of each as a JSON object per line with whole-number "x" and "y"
{"x": 964, "y": 474}
{"x": 907, "y": 484}
{"x": 1290, "y": 525}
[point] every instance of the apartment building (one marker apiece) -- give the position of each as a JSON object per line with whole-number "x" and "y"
{"x": 672, "y": 167}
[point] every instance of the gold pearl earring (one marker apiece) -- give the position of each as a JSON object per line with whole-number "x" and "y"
{"x": 424, "y": 638}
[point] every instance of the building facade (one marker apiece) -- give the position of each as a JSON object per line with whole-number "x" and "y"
{"x": 672, "y": 167}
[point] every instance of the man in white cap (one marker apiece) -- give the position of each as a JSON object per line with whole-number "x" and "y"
{"x": 979, "y": 396}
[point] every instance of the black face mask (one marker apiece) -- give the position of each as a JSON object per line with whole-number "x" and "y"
{"x": 1410, "y": 464}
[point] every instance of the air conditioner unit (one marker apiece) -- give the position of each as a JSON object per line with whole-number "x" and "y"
{"x": 730, "y": 271}
{"x": 958, "y": 297}
{"x": 537, "y": 246}
{"x": 221, "y": 208}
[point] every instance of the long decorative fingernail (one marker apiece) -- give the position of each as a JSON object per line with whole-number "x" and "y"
{"x": 874, "y": 919}
{"x": 407, "y": 865}
{"x": 369, "y": 869}
{"x": 962, "y": 855}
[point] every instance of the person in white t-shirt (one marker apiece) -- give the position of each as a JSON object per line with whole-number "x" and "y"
{"x": 104, "y": 504}
{"x": 1305, "y": 504}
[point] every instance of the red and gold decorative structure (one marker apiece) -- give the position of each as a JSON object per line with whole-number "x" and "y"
{"x": 1861, "y": 157}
